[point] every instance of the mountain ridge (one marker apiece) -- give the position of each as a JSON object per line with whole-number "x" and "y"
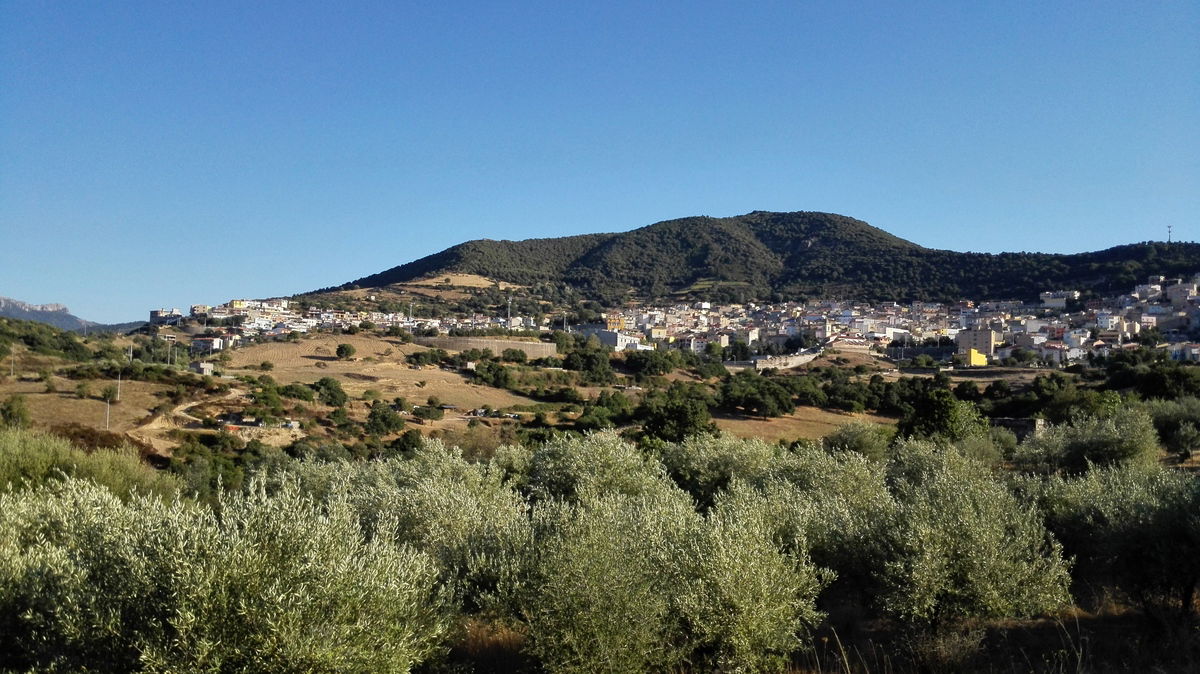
{"x": 764, "y": 255}
{"x": 59, "y": 316}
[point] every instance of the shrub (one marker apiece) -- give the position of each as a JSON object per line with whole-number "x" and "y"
{"x": 29, "y": 459}
{"x": 870, "y": 440}
{"x": 1131, "y": 527}
{"x": 330, "y": 392}
{"x": 268, "y": 583}
{"x": 14, "y": 413}
{"x": 963, "y": 547}
{"x": 644, "y": 583}
{"x": 1127, "y": 435}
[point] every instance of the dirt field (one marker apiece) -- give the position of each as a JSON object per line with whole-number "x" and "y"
{"x": 852, "y": 356}
{"x": 378, "y": 365}
{"x": 461, "y": 281}
{"x": 981, "y": 376}
{"x": 373, "y": 367}
{"x": 64, "y": 407}
{"x": 805, "y": 422}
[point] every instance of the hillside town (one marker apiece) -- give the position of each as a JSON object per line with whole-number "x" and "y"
{"x": 1059, "y": 329}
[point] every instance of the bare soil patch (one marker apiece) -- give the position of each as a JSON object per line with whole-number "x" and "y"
{"x": 806, "y": 422}
{"x": 462, "y": 281}
{"x": 378, "y": 365}
{"x": 46, "y": 410}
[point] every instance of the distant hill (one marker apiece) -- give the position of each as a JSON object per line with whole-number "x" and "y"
{"x": 59, "y": 316}
{"x": 764, "y": 255}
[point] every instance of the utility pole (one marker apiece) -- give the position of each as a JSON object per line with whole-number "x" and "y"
{"x": 118, "y": 385}
{"x": 106, "y": 406}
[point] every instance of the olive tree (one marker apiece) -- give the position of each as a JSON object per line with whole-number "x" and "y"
{"x": 463, "y": 515}
{"x": 1132, "y": 528}
{"x": 644, "y": 583}
{"x": 1126, "y": 435}
{"x": 962, "y": 546}
{"x": 571, "y": 467}
{"x": 265, "y": 582}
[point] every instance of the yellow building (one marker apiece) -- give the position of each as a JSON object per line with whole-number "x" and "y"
{"x": 975, "y": 358}
{"x": 982, "y": 340}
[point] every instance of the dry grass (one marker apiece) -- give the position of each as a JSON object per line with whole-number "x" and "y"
{"x": 806, "y": 422}
{"x": 47, "y": 410}
{"x": 378, "y": 365}
{"x": 490, "y": 647}
{"x": 849, "y": 357}
{"x": 461, "y": 281}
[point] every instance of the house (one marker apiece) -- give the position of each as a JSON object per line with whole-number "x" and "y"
{"x": 207, "y": 344}
{"x": 165, "y": 316}
{"x": 1029, "y": 341}
{"x": 1180, "y": 294}
{"x": 1057, "y": 353}
{"x": 619, "y": 341}
{"x": 1057, "y": 299}
{"x": 982, "y": 340}
{"x": 1184, "y": 351}
{"x": 656, "y": 332}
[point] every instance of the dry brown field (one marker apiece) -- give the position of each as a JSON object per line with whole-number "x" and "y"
{"x": 461, "y": 281}
{"x": 138, "y": 400}
{"x": 378, "y": 364}
{"x": 806, "y": 422}
{"x": 849, "y": 356}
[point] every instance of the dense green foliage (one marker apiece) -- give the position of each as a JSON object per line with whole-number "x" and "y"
{"x": 1132, "y": 528}
{"x": 963, "y": 546}
{"x": 685, "y": 550}
{"x": 41, "y": 338}
{"x": 29, "y": 459}
{"x": 765, "y": 255}
{"x": 270, "y": 583}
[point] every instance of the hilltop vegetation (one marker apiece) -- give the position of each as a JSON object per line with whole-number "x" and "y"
{"x": 765, "y": 255}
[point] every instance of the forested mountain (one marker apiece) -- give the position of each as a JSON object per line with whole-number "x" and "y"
{"x": 763, "y": 255}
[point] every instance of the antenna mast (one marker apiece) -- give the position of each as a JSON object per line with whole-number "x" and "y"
{"x": 1169, "y": 228}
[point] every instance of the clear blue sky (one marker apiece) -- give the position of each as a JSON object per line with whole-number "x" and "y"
{"x": 166, "y": 153}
